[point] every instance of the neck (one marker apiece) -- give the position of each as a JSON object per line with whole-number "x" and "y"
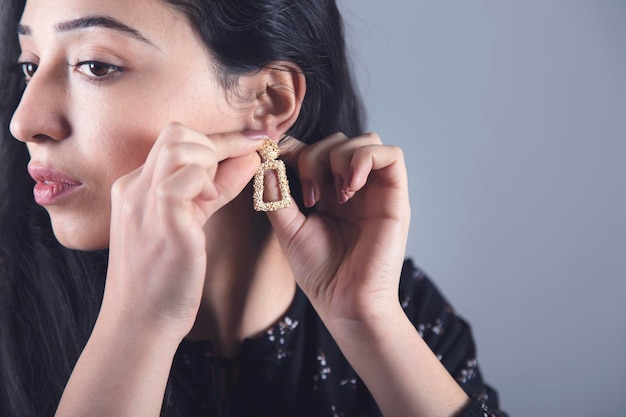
{"x": 248, "y": 285}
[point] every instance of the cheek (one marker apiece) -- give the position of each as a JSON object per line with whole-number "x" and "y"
{"x": 120, "y": 147}
{"x": 126, "y": 153}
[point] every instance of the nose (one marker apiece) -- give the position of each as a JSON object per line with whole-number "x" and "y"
{"x": 42, "y": 113}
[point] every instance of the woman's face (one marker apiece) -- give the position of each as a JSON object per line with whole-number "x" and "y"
{"x": 109, "y": 76}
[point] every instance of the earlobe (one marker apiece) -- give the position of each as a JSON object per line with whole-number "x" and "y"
{"x": 279, "y": 100}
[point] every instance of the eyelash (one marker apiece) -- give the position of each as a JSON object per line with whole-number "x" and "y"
{"x": 112, "y": 71}
{"x": 20, "y": 68}
{"x": 28, "y": 70}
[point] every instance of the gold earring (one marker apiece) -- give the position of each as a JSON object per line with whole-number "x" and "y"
{"x": 269, "y": 161}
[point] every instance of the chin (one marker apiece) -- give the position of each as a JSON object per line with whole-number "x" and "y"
{"x": 80, "y": 237}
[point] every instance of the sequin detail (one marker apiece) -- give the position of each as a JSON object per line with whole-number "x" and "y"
{"x": 468, "y": 372}
{"x": 436, "y": 327}
{"x": 323, "y": 370}
{"x": 277, "y": 335}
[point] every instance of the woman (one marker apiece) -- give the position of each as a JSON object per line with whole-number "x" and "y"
{"x": 144, "y": 122}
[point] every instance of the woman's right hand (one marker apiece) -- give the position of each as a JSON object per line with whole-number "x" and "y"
{"x": 157, "y": 259}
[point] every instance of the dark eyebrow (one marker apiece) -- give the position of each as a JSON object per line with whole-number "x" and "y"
{"x": 92, "y": 21}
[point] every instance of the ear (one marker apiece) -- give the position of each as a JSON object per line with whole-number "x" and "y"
{"x": 278, "y": 90}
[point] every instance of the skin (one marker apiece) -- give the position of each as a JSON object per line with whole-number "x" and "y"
{"x": 104, "y": 127}
{"x": 99, "y": 130}
{"x": 162, "y": 173}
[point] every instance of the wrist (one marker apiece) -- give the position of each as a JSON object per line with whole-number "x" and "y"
{"x": 370, "y": 327}
{"x": 398, "y": 367}
{"x": 127, "y": 328}
{"x": 123, "y": 371}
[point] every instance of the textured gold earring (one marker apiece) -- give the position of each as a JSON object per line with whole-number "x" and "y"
{"x": 269, "y": 161}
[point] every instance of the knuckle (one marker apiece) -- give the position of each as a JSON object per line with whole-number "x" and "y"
{"x": 172, "y": 131}
{"x": 373, "y": 137}
{"x": 335, "y": 153}
{"x": 119, "y": 187}
{"x": 397, "y": 151}
{"x": 123, "y": 203}
{"x": 338, "y": 135}
{"x": 172, "y": 152}
{"x": 128, "y": 209}
{"x": 172, "y": 127}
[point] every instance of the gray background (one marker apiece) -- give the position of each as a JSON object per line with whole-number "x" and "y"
{"x": 512, "y": 116}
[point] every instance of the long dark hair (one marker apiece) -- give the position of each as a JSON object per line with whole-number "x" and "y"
{"x": 50, "y": 295}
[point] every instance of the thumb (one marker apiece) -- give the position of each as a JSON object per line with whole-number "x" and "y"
{"x": 287, "y": 223}
{"x": 271, "y": 190}
{"x": 271, "y": 194}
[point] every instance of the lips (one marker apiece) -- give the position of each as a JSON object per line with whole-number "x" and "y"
{"x": 52, "y": 185}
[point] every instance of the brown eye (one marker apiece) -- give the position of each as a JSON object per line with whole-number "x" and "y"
{"x": 28, "y": 69}
{"x": 96, "y": 69}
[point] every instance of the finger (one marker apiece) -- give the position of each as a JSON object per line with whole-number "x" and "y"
{"x": 376, "y": 158}
{"x": 343, "y": 168}
{"x": 173, "y": 156}
{"x": 234, "y": 174}
{"x": 313, "y": 167}
{"x": 177, "y": 195}
{"x": 224, "y": 145}
{"x": 286, "y": 223}
{"x": 191, "y": 188}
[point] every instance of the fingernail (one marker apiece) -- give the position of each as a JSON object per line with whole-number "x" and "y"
{"x": 339, "y": 187}
{"x": 254, "y": 134}
{"x": 345, "y": 186}
{"x": 344, "y": 197}
{"x": 308, "y": 193}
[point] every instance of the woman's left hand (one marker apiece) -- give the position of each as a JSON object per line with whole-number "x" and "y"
{"x": 347, "y": 255}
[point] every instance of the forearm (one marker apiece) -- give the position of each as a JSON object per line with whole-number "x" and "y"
{"x": 121, "y": 372}
{"x": 398, "y": 367}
